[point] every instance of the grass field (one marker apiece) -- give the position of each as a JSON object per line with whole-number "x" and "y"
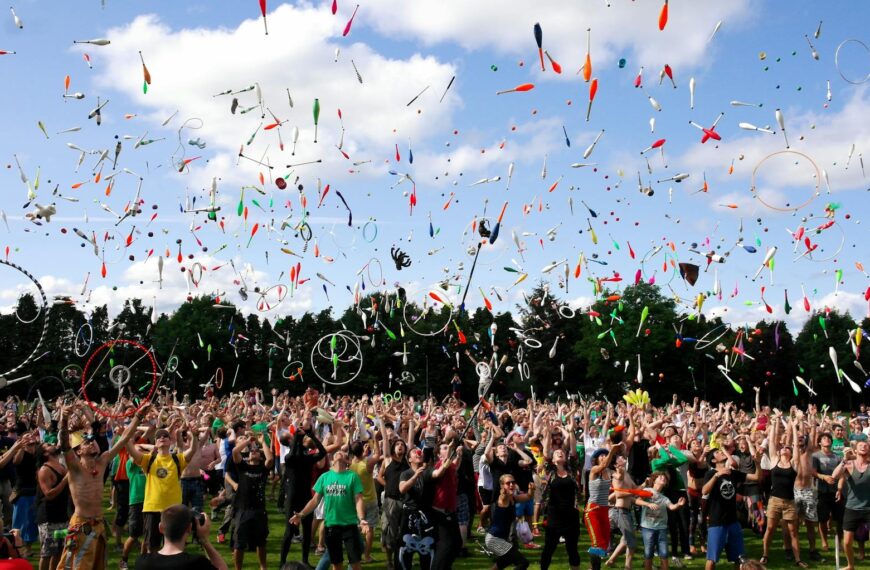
{"x": 478, "y": 560}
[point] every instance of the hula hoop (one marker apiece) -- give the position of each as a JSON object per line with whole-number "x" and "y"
{"x": 142, "y": 401}
{"x": 652, "y": 252}
{"x": 42, "y": 312}
{"x": 757, "y": 196}
{"x": 705, "y": 342}
{"x": 34, "y": 388}
{"x": 380, "y": 280}
{"x": 71, "y": 372}
{"x": 172, "y": 364}
{"x": 261, "y": 302}
{"x": 79, "y": 336}
{"x": 837, "y": 60}
{"x": 817, "y": 231}
{"x": 365, "y": 231}
{"x": 566, "y": 312}
{"x": 438, "y": 292}
{"x": 349, "y": 340}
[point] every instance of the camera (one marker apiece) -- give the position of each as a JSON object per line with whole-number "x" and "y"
{"x": 197, "y": 518}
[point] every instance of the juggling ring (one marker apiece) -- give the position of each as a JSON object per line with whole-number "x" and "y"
{"x": 349, "y": 339}
{"x": 79, "y": 335}
{"x": 261, "y": 302}
{"x": 142, "y": 401}
{"x": 532, "y": 342}
{"x": 71, "y": 372}
{"x": 566, "y": 312}
{"x": 172, "y": 364}
{"x": 837, "y": 60}
{"x": 520, "y": 353}
{"x": 219, "y": 378}
{"x": 42, "y": 312}
{"x": 370, "y": 224}
{"x": 434, "y": 332}
{"x": 407, "y": 377}
{"x": 388, "y": 398}
{"x": 194, "y": 278}
{"x": 525, "y": 372}
{"x": 369, "y": 272}
{"x": 296, "y": 366}
{"x": 704, "y": 342}
{"x": 483, "y": 370}
{"x": 116, "y": 239}
{"x": 757, "y": 196}
{"x": 809, "y": 255}
{"x": 120, "y": 376}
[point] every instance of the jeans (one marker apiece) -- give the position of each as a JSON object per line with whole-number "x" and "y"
{"x": 655, "y": 542}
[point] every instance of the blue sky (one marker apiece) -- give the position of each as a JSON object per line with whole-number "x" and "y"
{"x": 400, "y": 48}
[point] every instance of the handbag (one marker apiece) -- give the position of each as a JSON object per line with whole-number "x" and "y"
{"x": 524, "y": 532}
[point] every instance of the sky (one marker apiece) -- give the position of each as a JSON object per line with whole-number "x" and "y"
{"x": 394, "y": 127}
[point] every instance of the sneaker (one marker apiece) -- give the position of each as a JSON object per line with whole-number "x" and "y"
{"x": 122, "y": 565}
{"x": 687, "y": 557}
{"x": 531, "y": 546}
{"x": 221, "y": 538}
{"x": 677, "y": 563}
{"x": 481, "y": 531}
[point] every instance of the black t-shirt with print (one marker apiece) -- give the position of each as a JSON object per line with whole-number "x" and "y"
{"x": 722, "y": 501}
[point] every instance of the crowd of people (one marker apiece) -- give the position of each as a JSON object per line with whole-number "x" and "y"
{"x": 422, "y": 483}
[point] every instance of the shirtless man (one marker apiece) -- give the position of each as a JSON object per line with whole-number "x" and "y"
{"x": 85, "y": 547}
{"x": 621, "y": 515}
{"x": 806, "y": 498}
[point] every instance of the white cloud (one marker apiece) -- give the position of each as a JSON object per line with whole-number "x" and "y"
{"x": 189, "y": 66}
{"x": 825, "y": 137}
{"x": 625, "y": 29}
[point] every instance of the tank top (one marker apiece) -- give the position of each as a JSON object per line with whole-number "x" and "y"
{"x": 52, "y": 510}
{"x": 782, "y": 482}
{"x": 502, "y": 519}
{"x": 858, "y": 490}
{"x": 599, "y": 491}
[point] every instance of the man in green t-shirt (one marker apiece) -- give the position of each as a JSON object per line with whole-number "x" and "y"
{"x": 135, "y": 523}
{"x": 839, "y": 440}
{"x": 344, "y": 509}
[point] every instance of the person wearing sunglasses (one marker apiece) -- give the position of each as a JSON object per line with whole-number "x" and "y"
{"x": 498, "y": 537}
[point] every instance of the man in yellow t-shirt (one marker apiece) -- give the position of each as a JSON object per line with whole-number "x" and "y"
{"x": 363, "y": 467}
{"x": 162, "y": 481}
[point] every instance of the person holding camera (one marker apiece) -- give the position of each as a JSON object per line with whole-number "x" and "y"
{"x": 177, "y": 522}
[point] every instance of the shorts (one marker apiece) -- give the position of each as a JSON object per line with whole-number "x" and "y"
{"x": 152, "y": 536}
{"x": 781, "y": 509}
{"x": 135, "y": 522}
{"x": 621, "y": 518}
{"x": 50, "y": 546}
{"x": 829, "y": 508}
{"x": 372, "y": 514}
{"x": 193, "y": 492}
{"x": 391, "y": 519}
{"x": 251, "y": 529}
{"x": 343, "y": 538}
{"x": 655, "y": 542}
{"x": 485, "y": 496}
{"x": 853, "y": 519}
{"x": 122, "y": 502}
{"x": 728, "y": 537}
{"x": 806, "y": 504}
{"x": 525, "y": 509}
{"x": 24, "y": 517}
{"x": 463, "y": 514}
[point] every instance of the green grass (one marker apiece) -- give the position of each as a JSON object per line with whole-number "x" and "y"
{"x": 477, "y": 560}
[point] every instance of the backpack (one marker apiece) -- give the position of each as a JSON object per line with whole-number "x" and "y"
{"x": 174, "y": 460}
